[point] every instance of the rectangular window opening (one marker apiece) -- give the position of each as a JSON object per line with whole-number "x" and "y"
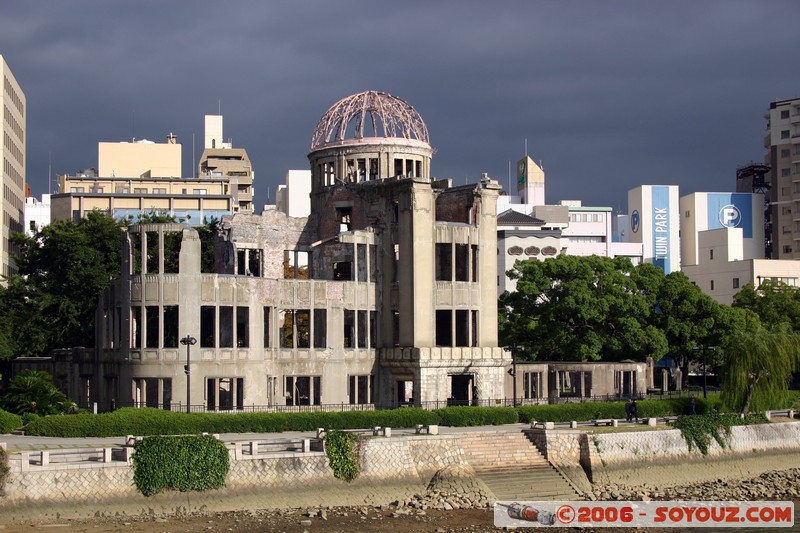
{"x": 170, "y": 326}
{"x": 444, "y": 325}
{"x": 226, "y": 326}
{"x": 207, "y": 326}
{"x": 444, "y": 262}
{"x": 243, "y": 327}
{"x": 462, "y": 262}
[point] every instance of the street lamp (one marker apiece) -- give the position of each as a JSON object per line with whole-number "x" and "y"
{"x": 703, "y": 350}
{"x": 513, "y": 370}
{"x": 188, "y": 341}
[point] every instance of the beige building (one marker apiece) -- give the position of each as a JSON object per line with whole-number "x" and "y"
{"x": 12, "y": 127}
{"x": 722, "y": 268}
{"x": 384, "y": 296}
{"x": 783, "y": 157}
{"x": 142, "y": 177}
{"x": 220, "y": 159}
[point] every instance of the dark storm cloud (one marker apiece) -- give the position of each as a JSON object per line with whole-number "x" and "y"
{"x": 609, "y": 95}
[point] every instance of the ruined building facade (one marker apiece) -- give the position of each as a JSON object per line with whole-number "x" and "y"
{"x": 385, "y": 295}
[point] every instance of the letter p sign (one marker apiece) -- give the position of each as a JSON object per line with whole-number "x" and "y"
{"x": 729, "y": 216}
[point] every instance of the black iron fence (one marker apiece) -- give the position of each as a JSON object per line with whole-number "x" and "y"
{"x": 343, "y": 407}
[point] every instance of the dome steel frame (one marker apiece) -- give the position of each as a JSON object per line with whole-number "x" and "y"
{"x": 386, "y": 114}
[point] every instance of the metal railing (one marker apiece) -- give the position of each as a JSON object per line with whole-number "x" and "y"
{"x": 437, "y": 404}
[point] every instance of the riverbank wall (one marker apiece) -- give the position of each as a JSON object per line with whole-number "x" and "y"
{"x": 395, "y": 468}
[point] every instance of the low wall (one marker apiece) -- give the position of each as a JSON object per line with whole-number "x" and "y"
{"x": 391, "y": 468}
{"x": 663, "y": 456}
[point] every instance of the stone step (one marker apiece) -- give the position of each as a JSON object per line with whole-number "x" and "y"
{"x": 527, "y": 484}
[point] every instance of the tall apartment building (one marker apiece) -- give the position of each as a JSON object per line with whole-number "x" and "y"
{"x": 783, "y": 157}
{"x": 221, "y": 159}
{"x": 12, "y": 205}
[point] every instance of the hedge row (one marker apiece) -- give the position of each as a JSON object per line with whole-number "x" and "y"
{"x": 9, "y": 422}
{"x": 145, "y": 421}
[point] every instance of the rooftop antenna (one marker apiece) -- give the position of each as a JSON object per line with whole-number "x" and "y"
{"x": 219, "y": 107}
{"x": 49, "y": 173}
{"x": 526, "y": 147}
{"x": 509, "y": 177}
{"x": 193, "y": 159}
{"x": 133, "y": 124}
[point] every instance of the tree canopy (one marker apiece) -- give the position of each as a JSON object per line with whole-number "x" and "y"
{"x": 63, "y": 270}
{"x": 773, "y": 301}
{"x": 596, "y": 308}
{"x": 758, "y": 368}
{"x": 583, "y": 308}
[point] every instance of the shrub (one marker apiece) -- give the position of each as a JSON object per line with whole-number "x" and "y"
{"x": 462, "y": 416}
{"x": 179, "y": 463}
{"x": 9, "y": 421}
{"x": 32, "y": 391}
{"x": 343, "y": 454}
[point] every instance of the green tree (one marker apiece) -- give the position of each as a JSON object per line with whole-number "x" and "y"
{"x": 32, "y": 391}
{"x": 584, "y": 309}
{"x": 63, "y": 271}
{"x": 773, "y": 301}
{"x": 691, "y": 320}
{"x": 758, "y": 368}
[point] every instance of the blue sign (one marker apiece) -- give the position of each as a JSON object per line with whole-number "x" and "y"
{"x": 635, "y": 220}
{"x": 661, "y": 228}
{"x": 731, "y": 210}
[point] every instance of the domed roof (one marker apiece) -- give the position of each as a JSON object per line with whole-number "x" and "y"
{"x": 369, "y": 114}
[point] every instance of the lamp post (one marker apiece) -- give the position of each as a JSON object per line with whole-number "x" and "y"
{"x": 188, "y": 341}
{"x": 513, "y": 371}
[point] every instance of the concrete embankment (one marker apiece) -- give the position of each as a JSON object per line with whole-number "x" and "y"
{"x": 400, "y": 467}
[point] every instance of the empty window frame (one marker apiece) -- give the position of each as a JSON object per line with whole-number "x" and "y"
{"x": 395, "y": 328}
{"x": 362, "y": 329}
{"x": 444, "y": 261}
{"x": 295, "y": 264}
{"x": 444, "y": 327}
{"x": 373, "y": 168}
{"x": 462, "y": 328}
{"x": 531, "y": 385}
{"x": 152, "y": 252}
{"x": 170, "y": 320}
{"x": 267, "y": 327}
{"x": 474, "y": 257}
{"x": 152, "y": 392}
{"x": 225, "y": 326}
{"x": 362, "y": 263}
{"x": 343, "y": 271}
{"x": 360, "y": 389}
{"x": 462, "y": 262}
{"x": 320, "y": 328}
{"x": 208, "y": 331}
{"x": 349, "y": 334}
{"x": 242, "y": 327}
{"x": 224, "y": 394}
{"x": 136, "y": 327}
{"x": 172, "y": 252}
{"x": 345, "y": 217}
{"x": 398, "y": 167}
{"x": 295, "y": 331}
{"x": 151, "y": 323}
{"x": 303, "y": 390}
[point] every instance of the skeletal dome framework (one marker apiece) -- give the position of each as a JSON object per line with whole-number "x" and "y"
{"x": 369, "y": 114}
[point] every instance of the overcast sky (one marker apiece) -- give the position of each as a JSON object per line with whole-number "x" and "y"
{"x": 609, "y": 95}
